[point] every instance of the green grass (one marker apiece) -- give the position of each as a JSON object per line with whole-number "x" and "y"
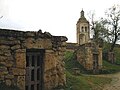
{"x": 70, "y": 63}
{"x": 109, "y": 68}
{"x": 106, "y": 48}
{"x": 82, "y": 81}
{"x": 76, "y": 82}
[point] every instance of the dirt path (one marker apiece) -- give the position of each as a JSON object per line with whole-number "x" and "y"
{"x": 115, "y": 83}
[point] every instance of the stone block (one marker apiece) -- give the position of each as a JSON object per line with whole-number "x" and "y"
{"x": 9, "y": 76}
{"x": 7, "y": 53}
{"x": 63, "y": 43}
{"x": 30, "y": 34}
{"x": 49, "y": 51}
{"x": 21, "y": 50}
{"x": 50, "y": 61}
{"x": 43, "y": 43}
{"x": 3, "y": 58}
{"x": 21, "y": 82}
{"x": 5, "y": 42}
{"x": 9, "y": 63}
{"x": 4, "y": 47}
{"x": 29, "y": 43}
{"x": 8, "y": 82}
{"x": 3, "y": 70}
{"x": 17, "y": 71}
{"x": 15, "y": 47}
{"x": 10, "y": 58}
{"x": 20, "y": 57}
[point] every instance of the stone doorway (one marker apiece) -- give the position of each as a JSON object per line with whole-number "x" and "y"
{"x": 95, "y": 63}
{"x": 34, "y": 69}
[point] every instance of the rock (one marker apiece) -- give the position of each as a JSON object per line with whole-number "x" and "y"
{"x": 20, "y": 57}
{"x": 3, "y": 58}
{"x": 15, "y": 47}
{"x": 8, "y": 82}
{"x": 29, "y": 34}
{"x": 47, "y": 34}
{"x": 3, "y": 70}
{"x": 9, "y": 63}
{"x": 4, "y": 47}
{"x": 29, "y": 42}
{"x": 7, "y": 53}
{"x": 9, "y": 43}
{"x": 21, "y": 82}
{"x": 17, "y": 71}
{"x": 63, "y": 38}
{"x": 9, "y": 76}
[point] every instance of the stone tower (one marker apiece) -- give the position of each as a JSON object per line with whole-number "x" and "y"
{"x": 83, "y": 30}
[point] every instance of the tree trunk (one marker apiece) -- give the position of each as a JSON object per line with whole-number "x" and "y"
{"x": 113, "y": 44}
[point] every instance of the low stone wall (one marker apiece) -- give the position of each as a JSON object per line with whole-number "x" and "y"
{"x": 13, "y": 45}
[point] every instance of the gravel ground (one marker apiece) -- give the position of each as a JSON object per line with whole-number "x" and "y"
{"x": 115, "y": 83}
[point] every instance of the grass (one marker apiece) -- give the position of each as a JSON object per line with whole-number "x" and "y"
{"x": 116, "y": 51}
{"x": 71, "y": 62}
{"x": 109, "y": 68}
{"x": 76, "y": 82}
{"x": 85, "y": 82}
{"x": 82, "y": 81}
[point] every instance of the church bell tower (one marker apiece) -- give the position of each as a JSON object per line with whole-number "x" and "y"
{"x": 82, "y": 29}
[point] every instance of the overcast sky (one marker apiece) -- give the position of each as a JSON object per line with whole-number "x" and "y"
{"x": 58, "y": 17}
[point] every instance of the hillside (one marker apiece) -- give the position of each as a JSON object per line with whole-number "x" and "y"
{"x": 85, "y": 81}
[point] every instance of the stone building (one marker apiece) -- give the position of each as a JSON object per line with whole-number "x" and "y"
{"x": 90, "y": 57}
{"x": 32, "y": 60}
{"x": 88, "y": 53}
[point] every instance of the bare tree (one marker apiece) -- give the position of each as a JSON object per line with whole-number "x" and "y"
{"x": 97, "y": 29}
{"x": 113, "y": 24}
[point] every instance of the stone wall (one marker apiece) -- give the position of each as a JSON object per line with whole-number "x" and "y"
{"x": 13, "y": 45}
{"x": 85, "y": 56}
{"x": 71, "y": 46}
{"x": 109, "y": 56}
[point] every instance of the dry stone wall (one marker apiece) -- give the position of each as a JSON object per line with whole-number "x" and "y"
{"x": 13, "y": 45}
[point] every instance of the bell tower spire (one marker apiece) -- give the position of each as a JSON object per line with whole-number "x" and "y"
{"x": 82, "y": 13}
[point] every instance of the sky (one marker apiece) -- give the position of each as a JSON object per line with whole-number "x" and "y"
{"x": 59, "y": 17}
